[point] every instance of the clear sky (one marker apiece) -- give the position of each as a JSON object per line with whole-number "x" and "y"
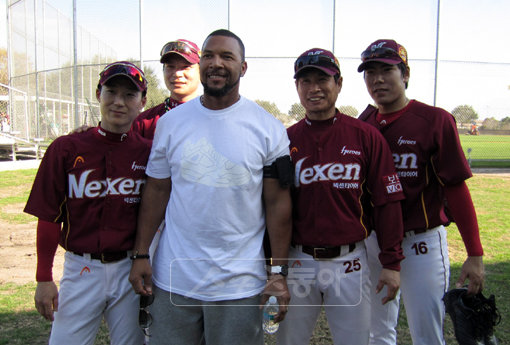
{"x": 472, "y": 33}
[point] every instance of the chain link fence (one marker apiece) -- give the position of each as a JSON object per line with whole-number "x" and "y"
{"x": 54, "y": 62}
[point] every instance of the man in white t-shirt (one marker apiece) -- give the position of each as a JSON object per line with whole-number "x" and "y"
{"x": 221, "y": 163}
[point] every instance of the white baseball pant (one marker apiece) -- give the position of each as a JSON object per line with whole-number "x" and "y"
{"x": 424, "y": 278}
{"x": 340, "y": 284}
{"x": 90, "y": 290}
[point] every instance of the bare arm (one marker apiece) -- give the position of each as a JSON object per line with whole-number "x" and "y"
{"x": 279, "y": 225}
{"x": 152, "y": 211}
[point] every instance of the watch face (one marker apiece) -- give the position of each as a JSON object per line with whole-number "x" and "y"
{"x": 282, "y": 269}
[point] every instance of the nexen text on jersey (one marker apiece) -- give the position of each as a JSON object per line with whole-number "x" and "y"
{"x": 101, "y": 188}
{"x": 327, "y": 172}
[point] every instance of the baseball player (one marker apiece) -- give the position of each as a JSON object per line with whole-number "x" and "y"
{"x": 432, "y": 168}
{"x": 86, "y": 196}
{"x": 342, "y": 167}
{"x": 180, "y": 70}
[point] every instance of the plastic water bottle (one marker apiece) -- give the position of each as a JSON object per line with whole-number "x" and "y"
{"x": 270, "y": 311}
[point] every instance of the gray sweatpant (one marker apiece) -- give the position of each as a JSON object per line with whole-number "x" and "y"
{"x": 178, "y": 320}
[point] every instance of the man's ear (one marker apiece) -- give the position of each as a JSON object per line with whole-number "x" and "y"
{"x": 244, "y": 68}
{"x": 407, "y": 74}
{"x": 339, "y": 83}
{"x": 144, "y": 101}
{"x": 98, "y": 95}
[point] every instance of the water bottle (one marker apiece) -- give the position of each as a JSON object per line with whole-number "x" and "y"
{"x": 270, "y": 311}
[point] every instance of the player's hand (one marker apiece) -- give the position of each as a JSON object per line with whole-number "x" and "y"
{"x": 391, "y": 279}
{"x": 473, "y": 270}
{"x": 46, "y": 299}
{"x": 277, "y": 286}
{"x": 81, "y": 129}
{"x": 140, "y": 277}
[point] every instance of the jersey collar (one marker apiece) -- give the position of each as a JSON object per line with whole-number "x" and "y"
{"x": 323, "y": 123}
{"x": 109, "y": 136}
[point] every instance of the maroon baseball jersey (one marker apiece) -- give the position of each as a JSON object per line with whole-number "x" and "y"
{"x": 427, "y": 155}
{"x": 341, "y": 165}
{"x": 92, "y": 182}
{"x": 145, "y": 123}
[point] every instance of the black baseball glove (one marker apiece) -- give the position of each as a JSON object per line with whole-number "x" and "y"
{"x": 473, "y": 317}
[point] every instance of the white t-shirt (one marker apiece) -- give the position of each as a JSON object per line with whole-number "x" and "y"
{"x": 211, "y": 247}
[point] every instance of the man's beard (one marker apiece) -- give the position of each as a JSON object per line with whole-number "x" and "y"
{"x": 222, "y": 91}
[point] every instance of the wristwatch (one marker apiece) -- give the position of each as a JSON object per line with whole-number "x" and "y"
{"x": 280, "y": 269}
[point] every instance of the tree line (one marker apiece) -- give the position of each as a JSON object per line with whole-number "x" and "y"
{"x": 464, "y": 115}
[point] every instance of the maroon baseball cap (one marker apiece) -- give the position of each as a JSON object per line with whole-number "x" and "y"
{"x": 318, "y": 58}
{"x": 124, "y": 68}
{"x": 387, "y": 51}
{"x": 184, "y": 48}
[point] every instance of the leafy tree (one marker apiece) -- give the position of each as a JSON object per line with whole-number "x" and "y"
{"x": 155, "y": 94}
{"x": 348, "y": 110}
{"x": 505, "y": 123}
{"x": 464, "y": 114}
{"x": 272, "y": 108}
{"x": 490, "y": 123}
{"x": 297, "y": 111}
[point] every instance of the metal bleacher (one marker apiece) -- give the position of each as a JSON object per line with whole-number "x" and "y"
{"x": 15, "y": 148}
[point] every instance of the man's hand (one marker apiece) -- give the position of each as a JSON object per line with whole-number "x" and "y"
{"x": 140, "y": 277}
{"x": 473, "y": 270}
{"x": 46, "y": 299}
{"x": 81, "y": 129}
{"x": 277, "y": 286}
{"x": 391, "y": 279}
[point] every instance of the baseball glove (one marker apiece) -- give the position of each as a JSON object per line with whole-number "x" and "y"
{"x": 473, "y": 317}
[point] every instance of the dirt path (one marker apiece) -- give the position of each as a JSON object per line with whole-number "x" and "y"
{"x": 18, "y": 253}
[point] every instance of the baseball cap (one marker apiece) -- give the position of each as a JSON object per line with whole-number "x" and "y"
{"x": 321, "y": 59}
{"x": 124, "y": 68}
{"x": 387, "y": 51}
{"x": 184, "y": 48}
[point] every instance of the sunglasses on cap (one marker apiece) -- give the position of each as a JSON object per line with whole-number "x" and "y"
{"x": 144, "y": 317}
{"x": 314, "y": 60}
{"x": 382, "y": 53}
{"x": 178, "y": 47}
{"x": 122, "y": 68}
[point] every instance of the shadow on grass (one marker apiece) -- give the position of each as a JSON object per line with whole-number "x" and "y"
{"x": 28, "y": 327}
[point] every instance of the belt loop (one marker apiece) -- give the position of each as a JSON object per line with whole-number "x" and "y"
{"x": 352, "y": 247}
{"x": 344, "y": 249}
{"x": 409, "y": 233}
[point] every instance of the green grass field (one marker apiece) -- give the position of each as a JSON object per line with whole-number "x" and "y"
{"x": 487, "y": 150}
{"x": 21, "y": 324}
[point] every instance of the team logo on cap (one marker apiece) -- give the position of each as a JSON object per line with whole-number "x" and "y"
{"x": 402, "y": 52}
{"x": 377, "y": 46}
